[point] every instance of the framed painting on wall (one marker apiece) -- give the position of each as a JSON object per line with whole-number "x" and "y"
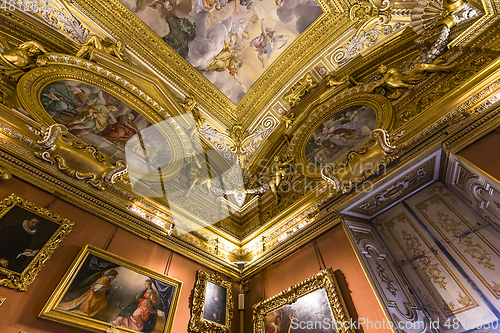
{"x": 102, "y": 292}
{"x": 212, "y": 308}
{"x": 313, "y": 306}
{"x": 29, "y": 235}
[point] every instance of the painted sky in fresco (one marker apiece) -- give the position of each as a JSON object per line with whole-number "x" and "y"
{"x": 344, "y": 131}
{"x": 231, "y": 42}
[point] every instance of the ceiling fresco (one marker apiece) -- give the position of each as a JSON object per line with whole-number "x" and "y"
{"x": 231, "y": 43}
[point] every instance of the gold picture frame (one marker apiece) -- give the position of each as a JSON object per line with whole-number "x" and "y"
{"x": 159, "y": 296}
{"x": 324, "y": 280}
{"x": 22, "y": 267}
{"x": 206, "y": 312}
{"x": 2, "y": 299}
{"x": 334, "y": 105}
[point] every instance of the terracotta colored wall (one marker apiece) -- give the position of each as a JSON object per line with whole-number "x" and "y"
{"x": 20, "y": 310}
{"x": 337, "y": 253}
{"x": 485, "y": 153}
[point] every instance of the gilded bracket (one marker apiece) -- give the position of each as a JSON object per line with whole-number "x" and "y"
{"x": 80, "y": 160}
{"x": 5, "y": 173}
{"x": 300, "y": 89}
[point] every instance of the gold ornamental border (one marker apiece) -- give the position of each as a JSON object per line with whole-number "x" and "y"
{"x": 325, "y": 279}
{"x": 197, "y": 323}
{"x": 51, "y": 312}
{"x": 63, "y": 67}
{"x": 21, "y": 281}
{"x": 322, "y": 111}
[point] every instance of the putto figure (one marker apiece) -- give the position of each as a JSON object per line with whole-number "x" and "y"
{"x": 267, "y": 42}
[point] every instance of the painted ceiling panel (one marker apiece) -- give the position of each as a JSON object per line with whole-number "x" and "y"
{"x": 231, "y": 43}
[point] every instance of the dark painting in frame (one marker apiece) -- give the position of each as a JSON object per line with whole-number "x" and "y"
{"x": 29, "y": 235}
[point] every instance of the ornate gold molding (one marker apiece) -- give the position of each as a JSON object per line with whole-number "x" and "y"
{"x": 299, "y": 90}
{"x": 80, "y": 160}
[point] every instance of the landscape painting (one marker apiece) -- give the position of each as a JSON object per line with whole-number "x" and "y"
{"x": 344, "y": 131}
{"x": 231, "y": 42}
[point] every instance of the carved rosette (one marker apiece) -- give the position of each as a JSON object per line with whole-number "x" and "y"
{"x": 197, "y": 323}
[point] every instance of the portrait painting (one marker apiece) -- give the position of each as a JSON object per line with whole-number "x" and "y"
{"x": 230, "y": 42}
{"x": 212, "y": 304}
{"x": 314, "y": 305}
{"x": 28, "y": 236}
{"x": 103, "y": 290}
{"x": 96, "y": 117}
{"x": 343, "y": 131}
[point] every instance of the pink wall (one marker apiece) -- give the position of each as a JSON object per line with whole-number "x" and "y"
{"x": 337, "y": 253}
{"x": 484, "y": 153}
{"x": 19, "y": 312}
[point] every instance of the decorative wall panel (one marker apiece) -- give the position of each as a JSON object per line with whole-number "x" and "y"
{"x": 470, "y": 240}
{"x": 480, "y": 191}
{"x": 392, "y": 290}
{"x": 449, "y": 299}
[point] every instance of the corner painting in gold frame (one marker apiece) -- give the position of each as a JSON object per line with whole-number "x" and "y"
{"x": 212, "y": 308}
{"x": 29, "y": 235}
{"x": 102, "y": 292}
{"x": 314, "y": 305}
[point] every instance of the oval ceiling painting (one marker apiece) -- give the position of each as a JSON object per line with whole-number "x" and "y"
{"x": 344, "y": 131}
{"x": 101, "y": 119}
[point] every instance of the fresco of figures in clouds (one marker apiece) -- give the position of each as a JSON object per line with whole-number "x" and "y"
{"x": 231, "y": 42}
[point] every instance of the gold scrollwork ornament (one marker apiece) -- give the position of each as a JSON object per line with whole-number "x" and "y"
{"x": 80, "y": 160}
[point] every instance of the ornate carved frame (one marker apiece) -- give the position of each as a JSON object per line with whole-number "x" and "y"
{"x": 51, "y": 312}
{"x": 197, "y": 323}
{"x": 325, "y": 279}
{"x": 144, "y": 96}
{"x": 21, "y": 281}
{"x": 320, "y": 112}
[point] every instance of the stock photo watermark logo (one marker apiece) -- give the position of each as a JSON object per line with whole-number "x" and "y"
{"x": 151, "y": 158}
{"x": 167, "y": 160}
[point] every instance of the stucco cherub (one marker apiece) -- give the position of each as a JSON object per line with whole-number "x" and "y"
{"x": 395, "y": 82}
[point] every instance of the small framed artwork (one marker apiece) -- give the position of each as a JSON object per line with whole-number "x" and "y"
{"x": 102, "y": 292}
{"x": 29, "y": 234}
{"x": 212, "y": 307}
{"x": 313, "y": 306}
